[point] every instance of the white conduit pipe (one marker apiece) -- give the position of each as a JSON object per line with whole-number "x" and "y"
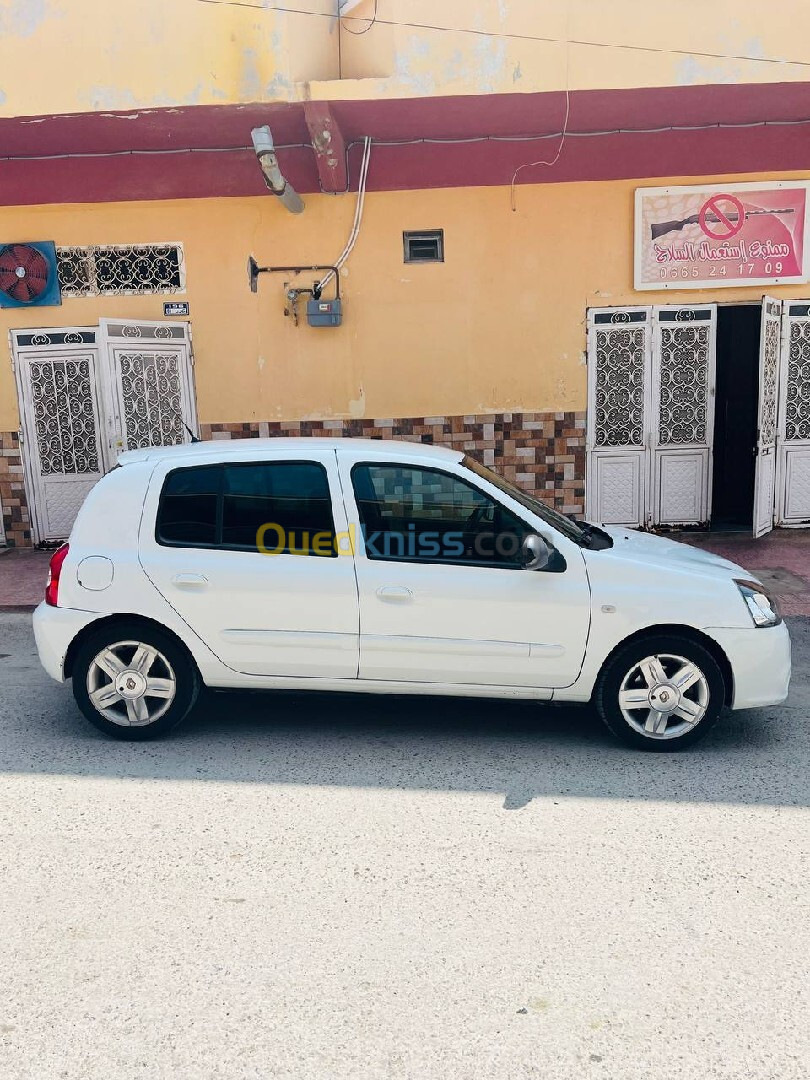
{"x": 358, "y": 213}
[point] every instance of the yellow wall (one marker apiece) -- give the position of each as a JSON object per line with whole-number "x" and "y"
{"x": 63, "y": 56}
{"x": 613, "y": 44}
{"x": 499, "y": 326}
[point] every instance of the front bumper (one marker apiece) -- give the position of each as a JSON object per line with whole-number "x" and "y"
{"x": 760, "y": 663}
{"x": 54, "y": 629}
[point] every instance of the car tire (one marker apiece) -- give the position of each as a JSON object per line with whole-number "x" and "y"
{"x": 660, "y": 693}
{"x": 134, "y": 681}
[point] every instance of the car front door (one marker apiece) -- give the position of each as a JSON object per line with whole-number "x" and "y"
{"x": 443, "y": 595}
{"x": 244, "y": 550}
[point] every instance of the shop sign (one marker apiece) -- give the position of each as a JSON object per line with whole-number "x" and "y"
{"x": 717, "y": 236}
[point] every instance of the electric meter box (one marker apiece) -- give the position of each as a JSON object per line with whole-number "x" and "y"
{"x": 324, "y": 312}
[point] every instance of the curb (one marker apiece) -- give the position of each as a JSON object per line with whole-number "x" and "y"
{"x": 17, "y": 609}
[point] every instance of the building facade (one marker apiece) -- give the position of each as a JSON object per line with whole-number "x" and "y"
{"x": 504, "y": 292}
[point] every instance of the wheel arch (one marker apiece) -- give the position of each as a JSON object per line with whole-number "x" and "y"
{"x": 120, "y": 617}
{"x": 679, "y": 629}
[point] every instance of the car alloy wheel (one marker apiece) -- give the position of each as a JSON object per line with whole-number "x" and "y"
{"x": 131, "y": 683}
{"x": 662, "y": 692}
{"x": 664, "y": 696}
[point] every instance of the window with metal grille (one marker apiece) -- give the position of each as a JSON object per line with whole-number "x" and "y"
{"x": 121, "y": 269}
{"x": 422, "y": 247}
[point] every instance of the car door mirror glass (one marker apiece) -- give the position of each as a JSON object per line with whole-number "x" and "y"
{"x": 536, "y": 552}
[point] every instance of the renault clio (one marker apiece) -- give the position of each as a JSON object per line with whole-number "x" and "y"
{"x": 394, "y": 568}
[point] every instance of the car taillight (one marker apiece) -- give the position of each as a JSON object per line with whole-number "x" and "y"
{"x": 54, "y": 570}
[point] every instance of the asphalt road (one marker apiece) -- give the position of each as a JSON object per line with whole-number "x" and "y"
{"x": 333, "y": 887}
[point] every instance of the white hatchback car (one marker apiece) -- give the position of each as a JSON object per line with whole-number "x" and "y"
{"x": 389, "y": 567}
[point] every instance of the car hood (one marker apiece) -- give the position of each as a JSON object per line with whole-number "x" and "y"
{"x": 650, "y": 550}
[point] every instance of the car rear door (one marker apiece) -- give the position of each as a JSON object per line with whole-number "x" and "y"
{"x": 242, "y": 547}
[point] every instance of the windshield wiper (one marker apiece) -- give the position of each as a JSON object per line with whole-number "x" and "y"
{"x": 595, "y": 539}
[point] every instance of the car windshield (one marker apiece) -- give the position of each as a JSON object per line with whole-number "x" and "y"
{"x": 557, "y": 521}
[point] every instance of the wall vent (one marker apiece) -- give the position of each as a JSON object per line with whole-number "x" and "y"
{"x": 424, "y": 247}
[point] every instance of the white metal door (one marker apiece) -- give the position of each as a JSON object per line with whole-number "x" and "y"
{"x": 683, "y": 383}
{"x": 619, "y": 351}
{"x": 793, "y": 436}
{"x": 63, "y": 451}
{"x": 767, "y": 415}
{"x": 149, "y": 396}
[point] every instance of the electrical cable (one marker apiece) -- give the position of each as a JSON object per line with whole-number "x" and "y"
{"x": 547, "y": 163}
{"x": 358, "y": 214}
{"x": 358, "y": 210}
{"x": 515, "y": 37}
{"x": 422, "y": 140}
{"x": 717, "y": 125}
{"x": 359, "y": 33}
{"x": 553, "y": 161}
{"x": 148, "y": 153}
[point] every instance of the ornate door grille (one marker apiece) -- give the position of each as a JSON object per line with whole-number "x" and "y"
{"x": 151, "y": 396}
{"x": 62, "y": 442}
{"x": 797, "y": 391}
{"x": 767, "y": 418}
{"x": 793, "y": 453}
{"x": 683, "y": 377}
{"x": 620, "y": 360}
{"x": 651, "y": 376}
{"x": 650, "y": 414}
{"x": 87, "y": 394}
{"x": 683, "y": 373}
{"x": 150, "y": 382}
{"x": 65, "y": 420}
{"x": 618, "y": 409}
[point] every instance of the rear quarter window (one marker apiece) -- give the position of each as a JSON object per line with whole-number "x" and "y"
{"x": 189, "y": 503}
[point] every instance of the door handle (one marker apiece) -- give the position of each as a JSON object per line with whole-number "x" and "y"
{"x": 394, "y": 593}
{"x": 190, "y": 581}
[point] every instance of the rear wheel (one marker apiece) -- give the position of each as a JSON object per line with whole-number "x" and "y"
{"x": 134, "y": 682}
{"x": 661, "y": 693}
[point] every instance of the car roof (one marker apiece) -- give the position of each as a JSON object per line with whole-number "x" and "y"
{"x": 230, "y": 447}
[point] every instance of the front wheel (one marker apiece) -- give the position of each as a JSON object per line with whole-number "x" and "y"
{"x": 134, "y": 682}
{"x": 660, "y": 693}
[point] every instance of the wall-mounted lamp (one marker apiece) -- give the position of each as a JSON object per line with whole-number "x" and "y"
{"x": 266, "y": 153}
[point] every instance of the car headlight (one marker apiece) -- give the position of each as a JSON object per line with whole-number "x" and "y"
{"x": 763, "y": 609}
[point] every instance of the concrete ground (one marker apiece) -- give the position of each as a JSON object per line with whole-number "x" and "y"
{"x": 347, "y": 887}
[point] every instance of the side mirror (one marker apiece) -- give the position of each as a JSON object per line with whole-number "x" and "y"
{"x": 537, "y": 553}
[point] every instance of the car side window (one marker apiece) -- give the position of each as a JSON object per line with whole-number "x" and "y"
{"x": 426, "y": 515}
{"x": 187, "y": 514}
{"x": 289, "y": 501}
{"x": 276, "y": 507}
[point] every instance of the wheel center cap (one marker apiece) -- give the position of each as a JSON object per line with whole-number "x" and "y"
{"x": 130, "y": 684}
{"x": 665, "y": 698}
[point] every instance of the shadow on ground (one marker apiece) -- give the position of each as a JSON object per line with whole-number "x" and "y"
{"x": 518, "y": 750}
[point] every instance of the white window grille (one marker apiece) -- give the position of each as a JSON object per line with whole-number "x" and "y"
{"x": 121, "y": 269}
